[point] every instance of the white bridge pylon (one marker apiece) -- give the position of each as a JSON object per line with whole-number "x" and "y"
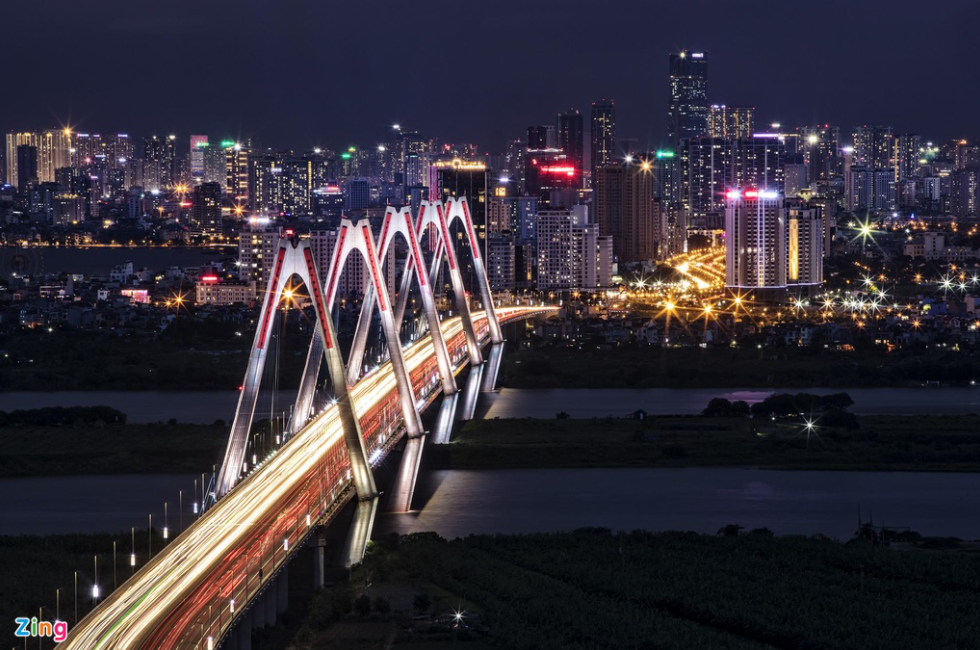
{"x": 294, "y": 259}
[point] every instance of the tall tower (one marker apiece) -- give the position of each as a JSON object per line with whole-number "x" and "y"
{"x": 603, "y": 134}
{"x": 571, "y": 138}
{"x": 756, "y": 239}
{"x": 687, "y": 111}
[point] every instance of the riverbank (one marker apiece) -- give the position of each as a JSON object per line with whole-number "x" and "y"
{"x": 110, "y": 449}
{"x": 881, "y": 443}
{"x": 667, "y": 590}
{"x": 634, "y": 366}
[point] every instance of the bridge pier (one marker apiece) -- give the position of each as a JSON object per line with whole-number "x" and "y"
{"x": 269, "y": 604}
{"x": 282, "y": 591}
{"x": 319, "y": 556}
{"x": 404, "y": 487}
{"x": 360, "y": 531}
{"x": 471, "y": 392}
{"x": 493, "y": 368}
{"x": 241, "y": 637}
{"x": 257, "y": 615}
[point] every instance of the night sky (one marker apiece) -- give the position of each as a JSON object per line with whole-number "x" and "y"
{"x": 329, "y": 73}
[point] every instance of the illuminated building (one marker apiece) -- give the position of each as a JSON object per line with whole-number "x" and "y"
{"x": 236, "y": 170}
{"x": 755, "y": 240}
{"x": 541, "y": 137}
{"x": 804, "y": 244}
{"x": 199, "y": 146}
{"x": 687, "y": 110}
{"x": 964, "y": 192}
{"x": 571, "y": 139}
{"x": 603, "y": 134}
{"x": 255, "y": 256}
{"x": 735, "y": 122}
{"x": 160, "y": 162}
{"x": 53, "y": 151}
{"x": 206, "y": 207}
{"x": 870, "y": 190}
{"x": 210, "y": 291}
{"x": 119, "y": 150}
{"x": 874, "y": 147}
{"x": 625, "y": 211}
{"x": 667, "y": 179}
{"x": 500, "y": 261}
{"x": 907, "y": 150}
{"x": 549, "y": 169}
{"x": 456, "y": 178}
{"x": 821, "y": 152}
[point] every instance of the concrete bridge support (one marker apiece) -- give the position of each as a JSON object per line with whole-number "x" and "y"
{"x": 319, "y": 543}
{"x": 282, "y": 591}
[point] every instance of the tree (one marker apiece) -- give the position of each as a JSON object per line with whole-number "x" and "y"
{"x": 382, "y": 606}
{"x": 362, "y": 605}
{"x": 422, "y": 603}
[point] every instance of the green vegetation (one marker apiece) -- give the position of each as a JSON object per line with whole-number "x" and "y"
{"x": 654, "y": 367}
{"x": 40, "y": 571}
{"x": 109, "y": 449}
{"x": 188, "y": 355}
{"x": 595, "y": 589}
{"x": 888, "y": 443}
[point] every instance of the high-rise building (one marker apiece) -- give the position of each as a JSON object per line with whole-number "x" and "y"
{"x": 236, "y": 170}
{"x": 735, "y": 122}
{"x": 537, "y": 138}
{"x": 874, "y": 147}
{"x": 569, "y": 254}
{"x": 821, "y": 152}
{"x": 964, "y": 193}
{"x": 805, "y": 243}
{"x": 625, "y": 210}
{"x": 206, "y": 207}
{"x": 500, "y": 262}
{"x": 756, "y": 239}
{"x": 907, "y": 164}
{"x": 571, "y": 139}
{"x": 547, "y": 170}
{"x": 357, "y": 194}
{"x": 687, "y": 110}
{"x": 603, "y": 135}
{"x": 53, "y": 151}
{"x": 870, "y": 190}
{"x": 26, "y": 167}
{"x": 199, "y": 147}
{"x": 459, "y": 178}
{"x": 160, "y": 170}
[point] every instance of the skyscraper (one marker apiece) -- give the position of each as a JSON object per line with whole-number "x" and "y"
{"x": 687, "y": 110}
{"x": 805, "y": 239}
{"x": 160, "y": 162}
{"x": 26, "y": 167}
{"x": 874, "y": 147}
{"x": 756, "y": 241}
{"x": 736, "y": 122}
{"x": 603, "y": 134}
{"x": 625, "y": 210}
{"x": 199, "y": 146}
{"x": 571, "y": 139}
{"x": 821, "y": 152}
{"x": 206, "y": 207}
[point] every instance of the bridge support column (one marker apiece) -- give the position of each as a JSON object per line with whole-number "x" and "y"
{"x": 319, "y": 551}
{"x": 282, "y": 590}
{"x": 241, "y": 636}
{"x": 360, "y": 531}
{"x": 269, "y": 603}
{"x": 404, "y": 487}
{"x": 493, "y": 368}
{"x": 471, "y": 392}
{"x": 257, "y": 616}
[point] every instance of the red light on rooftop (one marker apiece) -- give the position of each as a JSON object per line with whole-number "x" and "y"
{"x": 751, "y": 194}
{"x": 558, "y": 169}
{"x": 209, "y": 278}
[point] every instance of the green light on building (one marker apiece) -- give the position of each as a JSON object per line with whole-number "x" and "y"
{"x": 345, "y": 156}
{"x": 227, "y": 143}
{"x": 665, "y": 154}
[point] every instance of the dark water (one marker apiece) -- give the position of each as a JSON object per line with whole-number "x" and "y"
{"x": 100, "y": 260}
{"x": 206, "y": 407}
{"x": 698, "y": 499}
{"x": 588, "y": 402}
{"x": 90, "y": 504}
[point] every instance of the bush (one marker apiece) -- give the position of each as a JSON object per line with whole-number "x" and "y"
{"x": 381, "y": 606}
{"x": 362, "y": 605}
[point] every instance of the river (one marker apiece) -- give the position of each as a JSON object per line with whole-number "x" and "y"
{"x": 456, "y": 503}
{"x": 51, "y": 505}
{"x": 206, "y": 407}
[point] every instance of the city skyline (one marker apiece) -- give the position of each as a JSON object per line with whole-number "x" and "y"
{"x": 157, "y": 90}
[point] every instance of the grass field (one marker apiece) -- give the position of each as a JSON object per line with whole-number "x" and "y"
{"x": 922, "y": 443}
